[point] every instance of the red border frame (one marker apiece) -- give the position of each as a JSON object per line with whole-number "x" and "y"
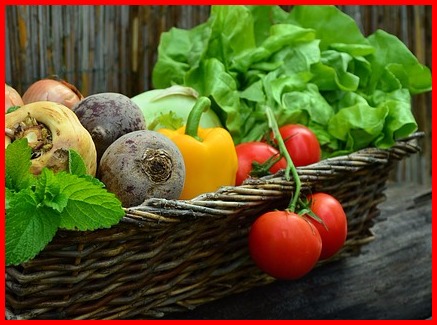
{"x": 8, "y": 2}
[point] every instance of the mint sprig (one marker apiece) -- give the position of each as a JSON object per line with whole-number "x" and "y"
{"x": 37, "y": 206}
{"x": 89, "y": 206}
{"x": 17, "y": 165}
{"x": 30, "y": 226}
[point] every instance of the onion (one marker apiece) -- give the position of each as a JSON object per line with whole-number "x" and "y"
{"x": 12, "y": 97}
{"x": 52, "y": 90}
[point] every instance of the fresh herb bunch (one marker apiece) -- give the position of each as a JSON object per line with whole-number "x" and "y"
{"x": 37, "y": 206}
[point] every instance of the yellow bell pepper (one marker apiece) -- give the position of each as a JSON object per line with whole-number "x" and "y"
{"x": 209, "y": 154}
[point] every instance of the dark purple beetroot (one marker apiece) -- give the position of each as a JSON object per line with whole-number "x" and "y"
{"x": 141, "y": 165}
{"x": 108, "y": 116}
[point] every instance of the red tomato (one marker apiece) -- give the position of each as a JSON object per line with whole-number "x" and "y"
{"x": 284, "y": 244}
{"x": 257, "y": 151}
{"x": 329, "y": 209}
{"x": 301, "y": 143}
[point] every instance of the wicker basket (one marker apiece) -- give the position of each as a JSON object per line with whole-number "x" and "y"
{"x": 172, "y": 255}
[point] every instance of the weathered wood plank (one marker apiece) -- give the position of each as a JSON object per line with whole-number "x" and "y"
{"x": 391, "y": 279}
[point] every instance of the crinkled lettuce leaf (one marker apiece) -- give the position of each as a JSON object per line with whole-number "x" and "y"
{"x": 311, "y": 65}
{"x": 395, "y": 67}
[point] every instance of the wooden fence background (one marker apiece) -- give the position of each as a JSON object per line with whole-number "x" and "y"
{"x": 113, "y": 48}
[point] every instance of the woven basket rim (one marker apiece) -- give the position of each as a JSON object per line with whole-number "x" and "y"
{"x": 221, "y": 202}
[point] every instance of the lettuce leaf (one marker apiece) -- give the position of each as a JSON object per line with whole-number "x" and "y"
{"x": 311, "y": 65}
{"x": 395, "y": 67}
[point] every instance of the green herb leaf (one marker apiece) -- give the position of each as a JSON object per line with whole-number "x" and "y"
{"x": 89, "y": 205}
{"x": 48, "y": 191}
{"x": 12, "y": 108}
{"x": 76, "y": 165}
{"x": 29, "y": 226}
{"x": 18, "y": 165}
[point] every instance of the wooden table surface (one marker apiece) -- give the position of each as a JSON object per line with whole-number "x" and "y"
{"x": 390, "y": 279}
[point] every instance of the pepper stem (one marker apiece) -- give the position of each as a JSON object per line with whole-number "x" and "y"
{"x": 290, "y": 165}
{"x": 192, "y": 126}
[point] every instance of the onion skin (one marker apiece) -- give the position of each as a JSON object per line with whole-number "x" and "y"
{"x": 66, "y": 132}
{"x": 12, "y": 98}
{"x": 53, "y": 90}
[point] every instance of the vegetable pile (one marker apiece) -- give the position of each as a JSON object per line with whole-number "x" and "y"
{"x": 312, "y": 66}
{"x": 252, "y": 91}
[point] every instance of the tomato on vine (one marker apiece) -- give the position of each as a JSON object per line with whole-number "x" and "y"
{"x": 257, "y": 158}
{"x": 333, "y": 231}
{"x": 284, "y": 245}
{"x": 288, "y": 244}
{"x": 301, "y": 143}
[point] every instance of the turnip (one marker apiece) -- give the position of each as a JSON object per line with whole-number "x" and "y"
{"x": 108, "y": 116}
{"x": 51, "y": 130}
{"x": 141, "y": 165}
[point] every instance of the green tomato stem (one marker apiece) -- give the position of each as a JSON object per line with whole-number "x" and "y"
{"x": 202, "y": 105}
{"x": 290, "y": 165}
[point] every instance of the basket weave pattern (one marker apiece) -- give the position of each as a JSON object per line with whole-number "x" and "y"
{"x": 170, "y": 255}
